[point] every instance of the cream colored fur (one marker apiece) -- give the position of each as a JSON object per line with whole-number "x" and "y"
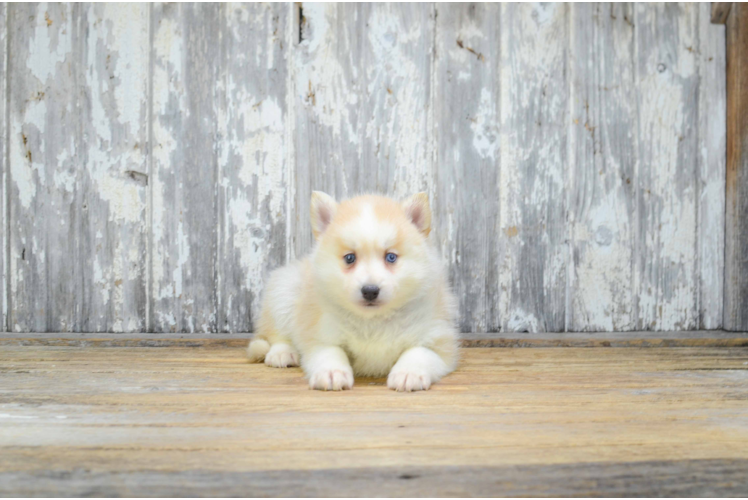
{"x": 314, "y": 312}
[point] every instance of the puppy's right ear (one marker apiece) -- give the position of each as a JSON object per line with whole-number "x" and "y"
{"x": 322, "y": 211}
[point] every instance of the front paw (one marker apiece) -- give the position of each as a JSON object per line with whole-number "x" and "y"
{"x": 282, "y": 356}
{"x": 408, "y": 381}
{"x": 331, "y": 380}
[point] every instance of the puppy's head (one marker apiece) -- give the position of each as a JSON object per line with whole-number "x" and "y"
{"x": 371, "y": 256}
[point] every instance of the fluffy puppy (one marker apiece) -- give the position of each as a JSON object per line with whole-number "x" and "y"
{"x": 372, "y": 299}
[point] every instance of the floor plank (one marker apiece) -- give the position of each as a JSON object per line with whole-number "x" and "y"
{"x": 696, "y": 338}
{"x": 194, "y": 421}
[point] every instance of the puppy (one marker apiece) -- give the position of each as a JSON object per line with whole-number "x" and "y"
{"x": 372, "y": 299}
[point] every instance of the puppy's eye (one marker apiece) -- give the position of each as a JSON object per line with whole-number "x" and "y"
{"x": 390, "y": 257}
{"x": 349, "y": 258}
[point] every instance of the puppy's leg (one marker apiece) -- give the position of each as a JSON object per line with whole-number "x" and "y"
{"x": 278, "y": 354}
{"x": 328, "y": 369}
{"x": 270, "y": 346}
{"x": 417, "y": 369}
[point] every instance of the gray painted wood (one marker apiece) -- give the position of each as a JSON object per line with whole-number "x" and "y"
{"x": 253, "y": 165}
{"x": 184, "y": 206}
{"x": 534, "y": 165}
{"x": 363, "y": 103}
{"x": 45, "y": 169}
{"x": 667, "y": 93}
{"x": 603, "y": 136}
{"x": 111, "y": 196}
{"x": 161, "y": 158}
{"x": 711, "y": 160}
{"x": 3, "y": 169}
{"x": 78, "y": 139}
{"x": 466, "y": 137}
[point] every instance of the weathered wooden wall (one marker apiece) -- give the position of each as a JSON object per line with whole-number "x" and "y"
{"x": 158, "y": 159}
{"x": 736, "y": 233}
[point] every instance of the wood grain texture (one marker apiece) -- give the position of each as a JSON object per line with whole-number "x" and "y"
{"x": 197, "y": 421}
{"x": 661, "y": 478}
{"x": 111, "y": 194}
{"x": 736, "y": 223}
{"x": 720, "y": 11}
{"x": 4, "y": 221}
{"x": 466, "y": 138}
{"x": 253, "y": 168}
{"x": 363, "y": 104}
{"x": 711, "y": 177}
{"x": 45, "y": 168}
{"x": 602, "y": 212}
{"x": 667, "y": 173}
{"x": 534, "y": 107}
{"x": 184, "y": 204}
{"x": 708, "y": 338}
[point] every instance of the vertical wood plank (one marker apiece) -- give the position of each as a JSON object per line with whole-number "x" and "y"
{"x": 253, "y": 169}
{"x": 736, "y": 227}
{"x": 711, "y": 158}
{"x": 466, "y": 136}
{"x": 184, "y": 209}
{"x": 534, "y": 127}
{"x": 603, "y": 155}
{"x": 720, "y": 11}
{"x": 3, "y": 167}
{"x": 667, "y": 41}
{"x": 363, "y": 103}
{"x": 113, "y": 183}
{"x": 45, "y": 168}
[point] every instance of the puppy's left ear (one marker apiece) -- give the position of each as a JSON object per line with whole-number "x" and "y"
{"x": 418, "y": 211}
{"x": 322, "y": 209}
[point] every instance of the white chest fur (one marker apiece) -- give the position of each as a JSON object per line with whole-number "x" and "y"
{"x": 374, "y": 346}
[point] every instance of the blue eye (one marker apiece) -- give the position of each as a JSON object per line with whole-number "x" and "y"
{"x": 349, "y": 258}
{"x": 390, "y": 257}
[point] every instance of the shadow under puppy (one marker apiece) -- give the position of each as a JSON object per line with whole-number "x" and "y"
{"x": 372, "y": 299}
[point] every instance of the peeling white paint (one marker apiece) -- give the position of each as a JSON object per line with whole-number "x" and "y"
{"x": 24, "y": 173}
{"x": 253, "y": 166}
{"x": 397, "y": 48}
{"x": 484, "y": 126}
{"x": 168, "y": 50}
{"x": 325, "y": 80}
{"x": 49, "y": 46}
{"x": 712, "y": 137}
{"x": 361, "y": 103}
{"x": 667, "y": 291}
{"x": 533, "y": 104}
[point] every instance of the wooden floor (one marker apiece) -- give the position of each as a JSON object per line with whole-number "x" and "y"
{"x": 200, "y": 421}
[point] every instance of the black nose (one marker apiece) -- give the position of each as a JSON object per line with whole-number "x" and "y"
{"x": 370, "y": 292}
